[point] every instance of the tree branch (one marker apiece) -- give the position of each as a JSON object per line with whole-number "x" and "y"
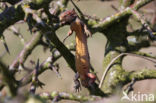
{"x": 43, "y": 67}
{"x": 12, "y": 2}
{"x": 68, "y": 96}
{"x": 8, "y": 79}
{"x": 141, "y": 3}
{"x": 143, "y": 74}
{"x": 25, "y": 52}
{"x": 15, "y": 13}
{"x": 102, "y": 25}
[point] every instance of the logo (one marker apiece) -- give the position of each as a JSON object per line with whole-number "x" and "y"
{"x": 138, "y": 97}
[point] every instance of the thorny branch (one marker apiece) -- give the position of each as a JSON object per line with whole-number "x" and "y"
{"x": 45, "y": 27}
{"x": 8, "y": 79}
{"x": 25, "y": 52}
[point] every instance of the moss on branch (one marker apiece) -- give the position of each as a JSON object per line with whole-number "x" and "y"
{"x": 68, "y": 96}
{"x": 142, "y": 74}
{"x": 113, "y": 27}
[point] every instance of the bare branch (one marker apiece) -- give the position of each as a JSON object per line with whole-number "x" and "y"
{"x": 25, "y": 52}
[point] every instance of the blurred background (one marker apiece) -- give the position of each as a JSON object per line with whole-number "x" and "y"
{"x": 96, "y": 45}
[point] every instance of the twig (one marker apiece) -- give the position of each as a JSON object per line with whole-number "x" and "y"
{"x": 144, "y": 23}
{"x": 116, "y": 9}
{"x": 141, "y": 3}
{"x": 17, "y": 33}
{"x": 34, "y": 78}
{"x": 126, "y": 3}
{"x": 43, "y": 67}
{"x": 104, "y": 23}
{"x": 55, "y": 68}
{"x": 130, "y": 86}
{"x": 5, "y": 44}
{"x": 79, "y": 11}
{"x": 64, "y": 51}
{"x": 25, "y": 52}
{"x": 92, "y": 17}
